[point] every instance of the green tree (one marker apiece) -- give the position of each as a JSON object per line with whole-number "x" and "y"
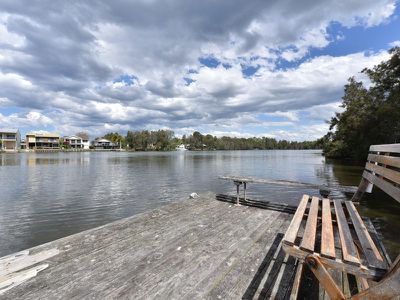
{"x": 116, "y": 138}
{"x": 371, "y": 115}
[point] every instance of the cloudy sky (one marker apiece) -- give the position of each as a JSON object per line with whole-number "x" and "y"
{"x": 227, "y": 67}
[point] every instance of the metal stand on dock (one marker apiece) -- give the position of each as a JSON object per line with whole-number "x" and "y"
{"x": 238, "y": 183}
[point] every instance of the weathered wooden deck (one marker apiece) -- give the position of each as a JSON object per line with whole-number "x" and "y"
{"x": 198, "y": 248}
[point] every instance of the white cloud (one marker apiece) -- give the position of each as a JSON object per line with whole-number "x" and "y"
{"x": 395, "y": 43}
{"x": 31, "y": 119}
{"x": 66, "y": 68}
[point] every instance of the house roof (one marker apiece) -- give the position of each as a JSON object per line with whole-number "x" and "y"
{"x": 43, "y": 134}
{"x": 73, "y": 137}
{"x": 102, "y": 141}
{"x": 8, "y": 130}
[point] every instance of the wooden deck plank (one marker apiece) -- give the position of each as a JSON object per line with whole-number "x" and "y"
{"x": 369, "y": 248}
{"x": 179, "y": 250}
{"x": 308, "y": 240}
{"x": 296, "y": 283}
{"x": 294, "y": 226}
{"x": 349, "y": 250}
{"x": 327, "y": 238}
{"x": 230, "y": 253}
{"x": 247, "y": 272}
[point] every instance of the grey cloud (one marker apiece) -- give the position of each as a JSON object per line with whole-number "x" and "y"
{"x": 75, "y": 49}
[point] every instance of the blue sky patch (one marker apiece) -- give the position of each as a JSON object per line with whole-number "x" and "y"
{"x": 249, "y": 71}
{"x": 188, "y": 80}
{"x": 210, "y": 62}
{"x": 127, "y": 79}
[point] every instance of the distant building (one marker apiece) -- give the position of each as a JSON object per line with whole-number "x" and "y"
{"x": 23, "y": 144}
{"x": 101, "y": 144}
{"x": 75, "y": 142}
{"x": 42, "y": 140}
{"x": 10, "y": 139}
{"x": 86, "y": 144}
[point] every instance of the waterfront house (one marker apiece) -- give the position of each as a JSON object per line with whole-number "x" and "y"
{"x": 85, "y": 144}
{"x": 74, "y": 142}
{"x": 10, "y": 139}
{"x": 23, "y": 144}
{"x": 102, "y": 144}
{"x": 42, "y": 140}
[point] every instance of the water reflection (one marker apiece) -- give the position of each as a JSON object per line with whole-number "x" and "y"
{"x": 45, "y": 196}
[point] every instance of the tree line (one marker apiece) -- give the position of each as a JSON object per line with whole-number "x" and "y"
{"x": 371, "y": 112}
{"x": 165, "y": 140}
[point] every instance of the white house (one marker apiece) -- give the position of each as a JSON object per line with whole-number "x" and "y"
{"x": 101, "y": 144}
{"x": 10, "y": 139}
{"x": 85, "y": 144}
{"x": 75, "y": 142}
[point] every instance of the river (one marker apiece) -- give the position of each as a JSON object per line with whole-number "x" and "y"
{"x": 46, "y": 196}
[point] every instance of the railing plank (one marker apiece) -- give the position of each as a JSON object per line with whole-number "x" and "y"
{"x": 384, "y": 172}
{"x": 384, "y": 185}
{"x": 385, "y": 160}
{"x": 393, "y": 148}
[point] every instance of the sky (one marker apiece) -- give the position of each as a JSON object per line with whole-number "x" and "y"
{"x": 228, "y": 67}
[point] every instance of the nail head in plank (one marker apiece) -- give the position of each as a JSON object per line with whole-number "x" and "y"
{"x": 294, "y": 226}
{"x": 308, "y": 241}
{"x": 371, "y": 252}
{"x": 349, "y": 250}
{"x": 327, "y": 238}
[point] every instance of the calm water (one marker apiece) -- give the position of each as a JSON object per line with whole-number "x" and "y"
{"x": 45, "y": 196}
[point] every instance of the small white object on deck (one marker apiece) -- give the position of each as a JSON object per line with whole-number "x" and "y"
{"x": 13, "y": 267}
{"x": 12, "y": 280}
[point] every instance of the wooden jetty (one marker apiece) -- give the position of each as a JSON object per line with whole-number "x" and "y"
{"x": 193, "y": 249}
{"x": 196, "y": 248}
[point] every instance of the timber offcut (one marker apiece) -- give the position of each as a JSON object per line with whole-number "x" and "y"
{"x": 196, "y": 248}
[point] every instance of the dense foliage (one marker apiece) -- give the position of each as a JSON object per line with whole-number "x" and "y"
{"x": 371, "y": 114}
{"x": 164, "y": 140}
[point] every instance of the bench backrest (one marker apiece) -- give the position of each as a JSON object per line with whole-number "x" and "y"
{"x": 383, "y": 169}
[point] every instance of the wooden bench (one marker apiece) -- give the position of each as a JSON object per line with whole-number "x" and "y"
{"x": 330, "y": 234}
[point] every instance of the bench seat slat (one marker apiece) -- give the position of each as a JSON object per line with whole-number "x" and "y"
{"x": 308, "y": 240}
{"x": 327, "y": 237}
{"x": 371, "y": 252}
{"x": 291, "y": 233}
{"x": 348, "y": 248}
{"x": 385, "y": 160}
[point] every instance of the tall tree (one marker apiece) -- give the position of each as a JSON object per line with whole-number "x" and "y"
{"x": 83, "y": 135}
{"x": 371, "y": 115}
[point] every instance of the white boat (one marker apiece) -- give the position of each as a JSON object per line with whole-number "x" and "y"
{"x": 181, "y": 147}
